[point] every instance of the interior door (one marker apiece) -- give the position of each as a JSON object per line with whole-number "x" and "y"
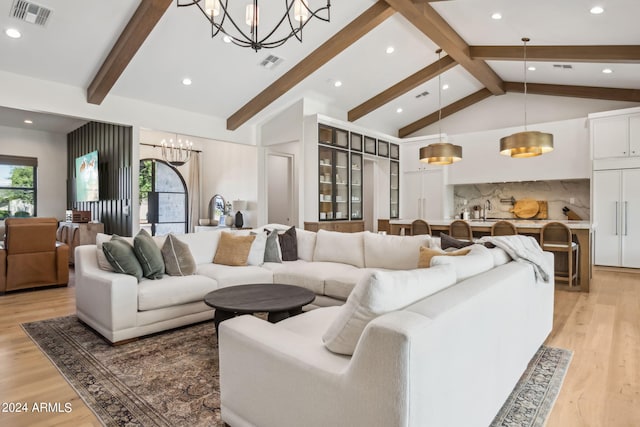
{"x": 630, "y": 212}
{"x": 279, "y": 189}
{"x": 606, "y": 216}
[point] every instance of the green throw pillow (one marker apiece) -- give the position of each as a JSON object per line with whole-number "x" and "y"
{"x": 178, "y": 260}
{"x": 149, "y": 255}
{"x": 120, "y": 255}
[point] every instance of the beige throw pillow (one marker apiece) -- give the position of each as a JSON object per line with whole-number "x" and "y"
{"x": 178, "y": 260}
{"x": 233, "y": 250}
{"x": 427, "y": 253}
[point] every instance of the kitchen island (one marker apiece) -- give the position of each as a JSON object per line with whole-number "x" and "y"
{"x": 581, "y": 231}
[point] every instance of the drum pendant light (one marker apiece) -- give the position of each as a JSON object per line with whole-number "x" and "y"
{"x": 527, "y": 143}
{"x": 440, "y": 153}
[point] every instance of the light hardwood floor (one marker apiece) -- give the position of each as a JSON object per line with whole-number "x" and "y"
{"x": 601, "y": 389}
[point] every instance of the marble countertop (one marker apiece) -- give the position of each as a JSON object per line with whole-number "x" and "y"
{"x": 529, "y": 223}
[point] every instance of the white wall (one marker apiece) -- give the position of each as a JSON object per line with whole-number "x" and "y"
{"x": 483, "y": 163}
{"x": 51, "y": 151}
{"x": 508, "y": 110}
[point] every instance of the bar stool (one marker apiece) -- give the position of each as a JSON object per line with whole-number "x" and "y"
{"x": 503, "y": 228}
{"x": 419, "y": 226}
{"x": 461, "y": 230}
{"x": 557, "y": 237}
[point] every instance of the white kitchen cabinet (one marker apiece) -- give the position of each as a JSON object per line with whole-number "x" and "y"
{"x": 616, "y": 136}
{"x": 616, "y": 214}
{"x": 426, "y": 198}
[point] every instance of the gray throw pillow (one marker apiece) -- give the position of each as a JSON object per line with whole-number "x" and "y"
{"x": 120, "y": 255}
{"x": 271, "y": 249}
{"x": 149, "y": 255}
{"x": 178, "y": 260}
{"x": 289, "y": 245}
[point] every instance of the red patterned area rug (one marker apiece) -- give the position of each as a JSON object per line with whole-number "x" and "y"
{"x": 171, "y": 378}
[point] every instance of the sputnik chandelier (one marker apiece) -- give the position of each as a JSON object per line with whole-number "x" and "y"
{"x": 219, "y": 13}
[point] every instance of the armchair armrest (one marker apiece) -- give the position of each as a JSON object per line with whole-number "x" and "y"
{"x": 3, "y": 269}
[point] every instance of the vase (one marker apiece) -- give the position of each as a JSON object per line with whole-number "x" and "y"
{"x": 239, "y": 220}
{"x": 229, "y": 220}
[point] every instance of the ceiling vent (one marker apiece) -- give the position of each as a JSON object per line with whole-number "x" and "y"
{"x": 423, "y": 94}
{"x": 30, "y": 12}
{"x": 270, "y": 62}
{"x": 563, "y": 66}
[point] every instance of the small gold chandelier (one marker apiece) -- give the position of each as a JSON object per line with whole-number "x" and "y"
{"x": 527, "y": 143}
{"x": 440, "y": 153}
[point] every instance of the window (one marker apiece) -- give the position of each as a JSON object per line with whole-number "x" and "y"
{"x": 18, "y": 178}
{"x": 163, "y": 198}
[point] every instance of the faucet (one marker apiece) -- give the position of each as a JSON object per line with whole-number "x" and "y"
{"x": 487, "y": 207}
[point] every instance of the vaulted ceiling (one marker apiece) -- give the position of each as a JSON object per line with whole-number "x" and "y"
{"x": 143, "y": 50}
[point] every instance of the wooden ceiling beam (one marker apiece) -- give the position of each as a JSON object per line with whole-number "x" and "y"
{"x": 411, "y": 82}
{"x": 344, "y": 38}
{"x": 132, "y": 37}
{"x": 427, "y": 20}
{"x": 590, "y": 92}
{"x": 446, "y": 111}
{"x": 607, "y": 54}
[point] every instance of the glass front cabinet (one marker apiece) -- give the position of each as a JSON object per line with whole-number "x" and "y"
{"x": 333, "y": 183}
{"x": 395, "y": 189}
{"x": 356, "y": 186}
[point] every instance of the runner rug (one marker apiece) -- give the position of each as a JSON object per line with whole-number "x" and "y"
{"x": 171, "y": 378}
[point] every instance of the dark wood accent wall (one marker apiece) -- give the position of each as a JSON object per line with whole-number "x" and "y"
{"x": 114, "y": 146}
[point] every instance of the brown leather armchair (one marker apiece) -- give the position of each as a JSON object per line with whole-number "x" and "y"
{"x": 31, "y": 256}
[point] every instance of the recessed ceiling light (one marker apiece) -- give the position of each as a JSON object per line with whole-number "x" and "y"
{"x": 398, "y": 110}
{"x": 607, "y": 71}
{"x": 226, "y": 39}
{"x": 596, "y": 10}
{"x": 531, "y": 68}
{"x": 337, "y": 83}
{"x": 496, "y": 16}
{"x": 390, "y": 49}
{"x": 27, "y": 121}
{"x": 13, "y": 33}
{"x": 186, "y": 81}
{"x": 445, "y": 86}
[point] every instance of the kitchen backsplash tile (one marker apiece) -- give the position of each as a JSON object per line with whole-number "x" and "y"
{"x": 558, "y": 194}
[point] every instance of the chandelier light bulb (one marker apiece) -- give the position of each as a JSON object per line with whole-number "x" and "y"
{"x": 301, "y": 10}
{"x": 251, "y": 16}
{"x": 212, "y": 8}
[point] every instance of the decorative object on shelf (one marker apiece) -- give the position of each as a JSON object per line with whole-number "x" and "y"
{"x": 296, "y": 13}
{"x": 229, "y": 219}
{"x": 440, "y": 153}
{"x": 176, "y": 155}
{"x": 239, "y": 206}
{"x": 527, "y": 143}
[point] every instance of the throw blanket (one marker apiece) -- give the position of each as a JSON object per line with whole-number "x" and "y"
{"x": 524, "y": 249}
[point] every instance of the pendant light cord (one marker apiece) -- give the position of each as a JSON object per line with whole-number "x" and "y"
{"x": 525, "y": 40}
{"x": 439, "y": 51}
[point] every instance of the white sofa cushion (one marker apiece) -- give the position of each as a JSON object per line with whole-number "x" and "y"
{"x": 203, "y": 245}
{"x": 173, "y": 290}
{"x": 478, "y": 260}
{"x": 309, "y": 275}
{"x": 340, "y": 284}
{"x": 306, "y": 244}
{"x": 378, "y": 293}
{"x": 227, "y": 275}
{"x": 256, "y": 254}
{"x": 345, "y": 248}
{"x": 393, "y": 252}
{"x": 500, "y": 256}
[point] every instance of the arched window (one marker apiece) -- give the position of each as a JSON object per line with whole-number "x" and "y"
{"x": 163, "y": 198}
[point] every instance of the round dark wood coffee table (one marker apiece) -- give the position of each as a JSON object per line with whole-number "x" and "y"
{"x": 280, "y": 301}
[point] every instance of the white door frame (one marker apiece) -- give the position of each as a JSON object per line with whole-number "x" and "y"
{"x": 290, "y": 190}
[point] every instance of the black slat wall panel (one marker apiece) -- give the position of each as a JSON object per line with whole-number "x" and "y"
{"x": 114, "y": 146}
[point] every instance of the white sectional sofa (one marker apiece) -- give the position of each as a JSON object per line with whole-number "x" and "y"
{"x": 449, "y": 359}
{"x": 329, "y": 264}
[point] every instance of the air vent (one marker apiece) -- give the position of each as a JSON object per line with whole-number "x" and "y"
{"x": 270, "y": 62}
{"x": 420, "y": 95}
{"x": 563, "y": 66}
{"x": 30, "y": 12}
